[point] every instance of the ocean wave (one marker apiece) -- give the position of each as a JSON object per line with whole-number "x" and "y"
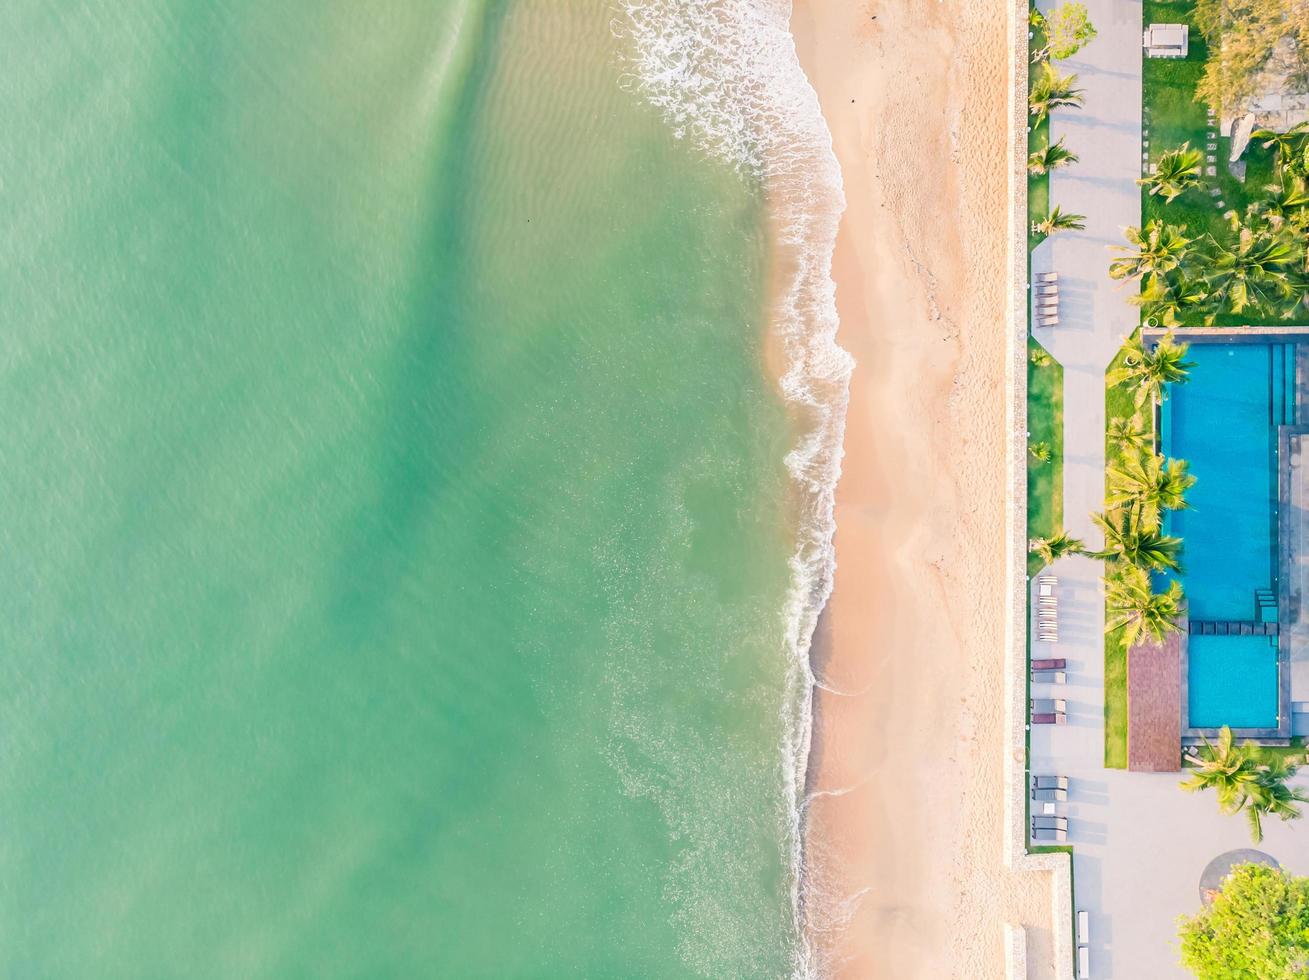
{"x": 726, "y": 75}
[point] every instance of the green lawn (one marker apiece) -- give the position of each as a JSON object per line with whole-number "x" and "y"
{"x": 1038, "y": 188}
{"x": 1118, "y": 404}
{"x": 1172, "y": 116}
{"x": 1045, "y": 423}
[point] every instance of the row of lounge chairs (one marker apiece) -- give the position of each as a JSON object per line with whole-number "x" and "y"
{"x": 1046, "y": 305}
{"x": 1047, "y": 609}
{"x": 1049, "y": 827}
{"x": 1049, "y": 711}
{"x": 1050, "y": 671}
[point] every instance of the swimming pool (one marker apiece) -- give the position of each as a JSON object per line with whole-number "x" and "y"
{"x": 1231, "y": 680}
{"x": 1224, "y": 421}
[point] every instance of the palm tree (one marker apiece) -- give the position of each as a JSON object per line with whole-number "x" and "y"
{"x": 1288, "y": 143}
{"x": 1128, "y": 540}
{"x": 1052, "y": 91}
{"x": 1269, "y": 794}
{"x": 1165, "y": 298}
{"x": 1040, "y": 451}
{"x": 1177, "y": 171}
{"x": 1227, "y": 769}
{"x": 1286, "y": 196}
{"x": 1056, "y": 220}
{"x": 1131, "y": 434}
{"x": 1151, "y": 483}
{"x": 1159, "y": 248}
{"x": 1138, "y": 610}
{"x": 1149, "y": 371}
{"x": 1051, "y": 549}
{"x": 1251, "y": 269}
{"x": 1050, "y": 157}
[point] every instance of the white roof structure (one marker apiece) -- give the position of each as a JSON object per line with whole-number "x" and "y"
{"x": 1167, "y": 40}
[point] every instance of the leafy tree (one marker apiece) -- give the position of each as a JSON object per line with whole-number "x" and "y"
{"x": 1257, "y": 926}
{"x": 1229, "y": 770}
{"x": 1052, "y": 91}
{"x": 1130, "y": 433}
{"x": 1056, "y": 220}
{"x": 1150, "y": 370}
{"x": 1270, "y": 794}
{"x": 1157, "y": 248}
{"x": 1051, "y": 549}
{"x": 1285, "y": 197}
{"x": 1128, "y": 540}
{"x": 1132, "y": 605}
{"x": 1050, "y": 157}
{"x": 1246, "y": 782}
{"x": 1039, "y": 356}
{"x": 1290, "y": 144}
{"x": 1068, "y": 29}
{"x": 1250, "y": 267}
{"x": 1177, "y": 172}
{"x": 1244, "y": 36}
{"x": 1151, "y": 483}
{"x": 1166, "y": 298}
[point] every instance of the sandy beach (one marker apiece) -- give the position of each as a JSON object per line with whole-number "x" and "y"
{"x": 904, "y": 834}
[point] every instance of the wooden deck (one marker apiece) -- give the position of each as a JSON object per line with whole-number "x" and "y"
{"x": 1154, "y": 706}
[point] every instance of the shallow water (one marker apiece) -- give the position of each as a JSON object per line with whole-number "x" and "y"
{"x": 396, "y": 537}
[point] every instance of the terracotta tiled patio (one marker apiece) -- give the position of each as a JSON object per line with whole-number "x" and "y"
{"x": 1154, "y": 706}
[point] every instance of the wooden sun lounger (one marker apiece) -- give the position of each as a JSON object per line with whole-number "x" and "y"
{"x": 1047, "y": 277}
{"x": 1050, "y": 782}
{"x": 1055, "y": 663}
{"x": 1047, "y": 822}
{"x": 1048, "y": 580}
{"x": 1058, "y": 718}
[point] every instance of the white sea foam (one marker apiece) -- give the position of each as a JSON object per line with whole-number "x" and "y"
{"x": 726, "y": 75}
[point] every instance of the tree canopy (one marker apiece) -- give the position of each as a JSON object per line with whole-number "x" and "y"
{"x": 1245, "y": 38}
{"x": 1257, "y": 926}
{"x": 1068, "y": 29}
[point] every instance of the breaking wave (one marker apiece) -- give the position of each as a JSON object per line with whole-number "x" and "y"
{"x": 726, "y": 75}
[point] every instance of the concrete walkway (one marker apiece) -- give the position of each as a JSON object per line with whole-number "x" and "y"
{"x": 1095, "y": 317}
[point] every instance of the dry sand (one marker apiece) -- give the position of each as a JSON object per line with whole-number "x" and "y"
{"x": 915, "y": 94}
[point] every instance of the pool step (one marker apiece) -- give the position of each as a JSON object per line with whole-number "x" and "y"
{"x": 1209, "y": 627}
{"x": 1265, "y": 606}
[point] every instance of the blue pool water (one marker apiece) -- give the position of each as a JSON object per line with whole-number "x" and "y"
{"x": 1223, "y": 421}
{"x": 1232, "y": 680}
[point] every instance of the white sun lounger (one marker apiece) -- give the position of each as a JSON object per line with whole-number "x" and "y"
{"x": 1047, "y": 277}
{"x": 1083, "y": 927}
{"x": 1083, "y": 962}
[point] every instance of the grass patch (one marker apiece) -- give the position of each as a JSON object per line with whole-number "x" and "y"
{"x": 1118, "y": 403}
{"x": 1171, "y": 116}
{"x": 1045, "y": 423}
{"x": 1115, "y": 701}
{"x": 1038, "y": 138}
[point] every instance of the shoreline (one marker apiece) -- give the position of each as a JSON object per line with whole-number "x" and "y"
{"x": 904, "y": 872}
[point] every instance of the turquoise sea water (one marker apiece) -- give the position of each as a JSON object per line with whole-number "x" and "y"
{"x": 395, "y": 529}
